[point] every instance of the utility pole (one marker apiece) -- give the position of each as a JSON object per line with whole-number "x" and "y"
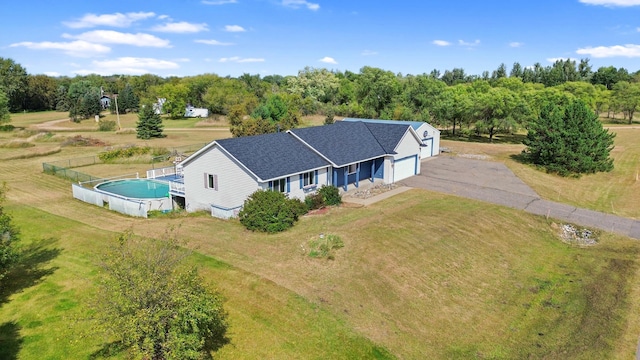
{"x": 115, "y": 97}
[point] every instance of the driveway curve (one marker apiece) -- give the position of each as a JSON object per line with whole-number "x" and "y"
{"x": 493, "y": 182}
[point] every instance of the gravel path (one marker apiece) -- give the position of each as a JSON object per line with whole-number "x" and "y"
{"x": 493, "y": 182}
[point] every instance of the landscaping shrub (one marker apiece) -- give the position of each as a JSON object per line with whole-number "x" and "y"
{"x": 314, "y": 201}
{"x": 270, "y": 211}
{"x": 330, "y": 195}
{"x": 106, "y": 125}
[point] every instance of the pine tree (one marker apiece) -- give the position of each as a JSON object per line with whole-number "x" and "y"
{"x": 569, "y": 140}
{"x": 149, "y": 123}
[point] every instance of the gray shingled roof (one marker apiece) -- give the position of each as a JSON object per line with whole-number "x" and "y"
{"x": 273, "y": 156}
{"x": 388, "y": 135}
{"x": 348, "y": 142}
{"x": 414, "y": 124}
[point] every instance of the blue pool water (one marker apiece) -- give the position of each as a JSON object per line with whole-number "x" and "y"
{"x": 136, "y": 188}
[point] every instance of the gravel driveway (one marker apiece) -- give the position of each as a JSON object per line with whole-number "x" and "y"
{"x": 493, "y": 182}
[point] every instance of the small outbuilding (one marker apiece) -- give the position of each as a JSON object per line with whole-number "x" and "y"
{"x": 194, "y": 112}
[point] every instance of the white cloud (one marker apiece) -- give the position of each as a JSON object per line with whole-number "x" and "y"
{"x": 515, "y": 44}
{"x": 52, "y": 73}
{"x": 164, "y": 17}
{"x": 213, "y": 42}
{"x": 116, "y": 37}
{"x": 78, "y": 48}
{"x": 328, "y": 60}
{"x": 612, "y": 3}
{"x": 219, "y": 2}
{"x": 553, "y": 60}
{"x": 369, "y": 53}
{"x": 115, "y": 20}
{"x": 464, "y": 43}
{"x": 238, "y": 59}
{"x": 441, "y": 42}
{"x": 182, "y": 27}
{"x": 628, "y": 50}
{"x": 128, "y": 65}
{"x": 234, "y": 28}
{"x": 298, "y": 3}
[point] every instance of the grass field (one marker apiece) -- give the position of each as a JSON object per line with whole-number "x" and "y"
{"x": 422, "y": 275}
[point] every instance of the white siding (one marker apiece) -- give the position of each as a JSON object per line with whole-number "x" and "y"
{"x": 235, "y": 184}
{"x": 408, "y": 146}
{"x": 433, "y": 140}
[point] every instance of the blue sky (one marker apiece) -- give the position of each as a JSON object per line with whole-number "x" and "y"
{"x": 232, "y": 37}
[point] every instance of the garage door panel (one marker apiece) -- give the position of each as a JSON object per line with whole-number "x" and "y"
{"x": 404, "y": 168}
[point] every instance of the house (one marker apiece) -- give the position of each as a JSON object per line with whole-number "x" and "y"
{"x": 105, "y": 101}
{"x": 194, "y": 112}
{"x": 220, "y": 176}
{"x": 429, "y": 135}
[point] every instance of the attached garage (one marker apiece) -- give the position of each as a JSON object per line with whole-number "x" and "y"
{"x": 405, "y": 167}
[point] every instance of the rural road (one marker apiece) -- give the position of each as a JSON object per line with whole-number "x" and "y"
{"x": 493, "y": 182}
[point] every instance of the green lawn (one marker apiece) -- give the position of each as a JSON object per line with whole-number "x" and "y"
{"x": 422, "y": 275}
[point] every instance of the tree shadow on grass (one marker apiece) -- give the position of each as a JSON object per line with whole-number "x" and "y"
{"x": 484, "y": 139}
{"x": 10, "y": 340}
{"x": 30, "y": 268}
{"x": 108, "y": 350}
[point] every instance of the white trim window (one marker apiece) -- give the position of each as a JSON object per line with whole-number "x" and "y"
{"x": 352, "y": 169}
{"x": 211, "y": 181}
{"x": 309, "y": 179}
{"x": 279, "y": 185}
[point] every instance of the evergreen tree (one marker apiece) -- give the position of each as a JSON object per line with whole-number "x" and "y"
{"x": 149, "y": 123}
{"x": 569, "y": 140}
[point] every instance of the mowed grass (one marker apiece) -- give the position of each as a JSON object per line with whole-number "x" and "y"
{"x": 422, "y": 275}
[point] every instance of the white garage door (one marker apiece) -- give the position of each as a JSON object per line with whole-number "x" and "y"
{"x": 404, "y": 168}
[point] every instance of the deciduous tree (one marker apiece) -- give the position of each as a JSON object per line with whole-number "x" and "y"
{"x": 156, "y": 305}
{"x": 9, "y": 236}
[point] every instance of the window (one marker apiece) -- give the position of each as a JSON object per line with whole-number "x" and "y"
{"x": 309, "y": 179}
{"x": 211, "y": 181}
{"x": 352, "y": 168}
{"x": 278, "y": 185}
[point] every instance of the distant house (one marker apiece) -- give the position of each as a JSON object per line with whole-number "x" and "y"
{"x": 429, "y": 135}
{"x": 105, "y": 101}
{"x": 220, "y": 176}
{"x": 194, "y": 112}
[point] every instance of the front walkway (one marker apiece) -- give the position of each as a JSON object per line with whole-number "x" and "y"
{"x": 493, "y": 182}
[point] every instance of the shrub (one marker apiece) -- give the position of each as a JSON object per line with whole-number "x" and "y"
{"x": 330, "y": 195}
{"x": 125, "y": 152}
{"x": 106, "y": 125}
{"x": 7, "y": 127}
{"x": 270, "y": 211}
{"x": 314, "y": 201}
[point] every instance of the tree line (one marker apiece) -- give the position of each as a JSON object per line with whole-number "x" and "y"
{"x": 493, "y": 102}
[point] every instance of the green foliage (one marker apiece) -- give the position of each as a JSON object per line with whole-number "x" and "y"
{"x": 569, "y": 140}
{"x": 155, "y": 305}
{"x": 5, "y": 117}
{"x": 9, "y": 236}
{"x": 125, "y": 152}
{"x": 314, "y": 201}
{"x": 329, "y": 117}
{"x": 84, "y": 100}
{"x": 149, "y": 123}
{"x": 14, "y": 82}
{"x": 270, "y": 211}
{"x": 324, "y": 246}
{"x": 106, "y": 125}
{"x": 330, "y": 195}
{"x": 7, "y": 127}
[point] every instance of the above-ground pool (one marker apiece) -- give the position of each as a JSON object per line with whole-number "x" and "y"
{"x": 136, "y": 188}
